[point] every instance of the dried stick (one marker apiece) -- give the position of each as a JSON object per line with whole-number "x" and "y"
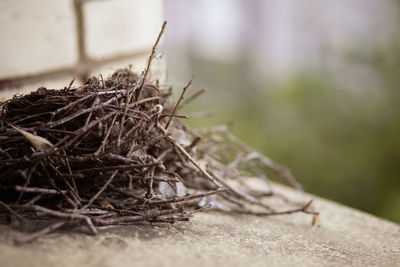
{"x": 77, "y": 114}
{"x": 60, "y": 214}
{"x": 28, "y": 180}
{"x": 121, "y": 126}
{"x": 137, "y": 218}
{"x": 101, "y": 190}
{"x": 118, "y": 167}
{"x": 103, "y": 142}
{"x": 303, "y": 209}
{"x": 19, "y": 217}
{"x": 39, "y": 190}
{"x": 186, "y": 198}
{"x": 91, "y": 113}
{"x": 281, "y": 171}
{"x": 146, "y": 71}
{"x": 179, "y": 101}
{"x": 184, "y": 152}
{"x": 241, "y": 194}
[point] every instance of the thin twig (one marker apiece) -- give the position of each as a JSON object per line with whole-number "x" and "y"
{"x": 303, "y": 209}
{"x": 39, "y": 190}
{"x": 179, "y": 101}
{"x": 101, "y": 190}
{"x": 122, "y": 122}
{"x": 186, "y": 198}
{"x": 183, "y": 151}
{"x": 59, "y": 214}
{"x": 19, "y": 217}
{"x": 144, "y": 217}
{"x": 153, "y": 51}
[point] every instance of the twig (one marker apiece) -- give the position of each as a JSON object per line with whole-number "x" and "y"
{"x": 186, "y": 198}
{"x": 103, "y": 142}
{"x": 77, "y": 114}
{"x": 303, "y": 209}
{"x": 153, "y": 51}
{"x": 179, "y": 101}
{"x": 19, "y": 217}
{"x": 281, "y": 171}
{"x": 121, "y": 126}
{"x": 119, "y": 167}
{"x": 28, "y": 180}
{"x": 101, "y": 190}
{"x": 241, "y": 194}
{"x": 39, "y": 190}
{"x": 60, "y": 214}
{"x": 183, "y": 151}
{"x": 144, "y": 217}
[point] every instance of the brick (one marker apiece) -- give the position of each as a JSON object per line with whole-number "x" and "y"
{"x": 36, "y": 37}
{"x": 120, "y": 26}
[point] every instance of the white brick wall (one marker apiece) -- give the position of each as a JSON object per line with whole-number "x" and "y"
{"x": 36, "y": 36}
{"x": 40, "y": 40}
{"x": 121, "y": 26}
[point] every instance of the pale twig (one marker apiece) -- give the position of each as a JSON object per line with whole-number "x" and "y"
{"x": 303, "y": 209}
{"x": 39, "y": 190}
{"x": 241, "y": 194}
{"x": 281, "y": 171}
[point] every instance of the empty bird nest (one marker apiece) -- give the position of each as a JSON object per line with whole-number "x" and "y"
{"x": 115, "y": 151}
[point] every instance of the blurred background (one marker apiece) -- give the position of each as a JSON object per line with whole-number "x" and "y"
{"x": 315, "y": 85}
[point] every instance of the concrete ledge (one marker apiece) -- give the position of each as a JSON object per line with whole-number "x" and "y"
{"x": 342, "y": 237}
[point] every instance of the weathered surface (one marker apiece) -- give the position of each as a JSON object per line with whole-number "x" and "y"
{"x": 342, "y": 236}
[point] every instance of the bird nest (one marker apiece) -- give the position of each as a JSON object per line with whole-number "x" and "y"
{"x": 115, "y": 151}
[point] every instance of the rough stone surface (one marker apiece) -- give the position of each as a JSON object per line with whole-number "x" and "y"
{"x": 135, "y": 29}
{"x": 342, "y": 237}
{"x": 36, "y": 36}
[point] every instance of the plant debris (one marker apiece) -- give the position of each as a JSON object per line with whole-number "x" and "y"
{"x": 114, "y": 151}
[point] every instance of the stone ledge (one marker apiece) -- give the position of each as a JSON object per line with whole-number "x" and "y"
{"x": 342, "y": 237}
